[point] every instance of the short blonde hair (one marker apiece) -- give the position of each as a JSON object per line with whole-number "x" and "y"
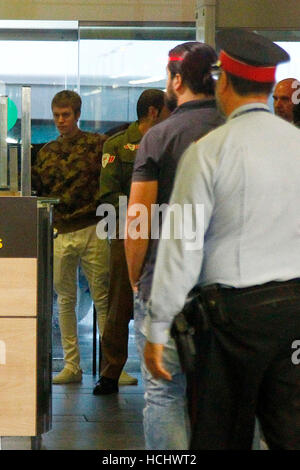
{"x": 67, "y": 98}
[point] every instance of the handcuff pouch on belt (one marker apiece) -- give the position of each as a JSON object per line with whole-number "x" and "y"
{"x": 204, "y": 305}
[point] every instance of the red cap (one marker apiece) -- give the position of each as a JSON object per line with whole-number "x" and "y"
{"x": 254, "y": 73}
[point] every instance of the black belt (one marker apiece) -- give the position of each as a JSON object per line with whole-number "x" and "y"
{"x": 269, "y": 292}
{"x": 261, "y": 287}
{"x": 219, "y": 299}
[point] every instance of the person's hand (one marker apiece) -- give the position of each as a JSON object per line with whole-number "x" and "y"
{"x": 153, "y": 354}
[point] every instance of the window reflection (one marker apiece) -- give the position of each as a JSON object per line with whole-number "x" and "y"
{"x": 109, "y": 74}
{"x": 46, "y": 66}
{"x": 113, "y": 74}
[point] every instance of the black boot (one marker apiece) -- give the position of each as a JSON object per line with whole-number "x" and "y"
{"x": 106, "y": 386}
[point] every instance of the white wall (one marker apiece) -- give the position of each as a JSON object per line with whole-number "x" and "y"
{"x": 267, "y": 14}
{"x": 99, "y": 10}
{"x": 271, "y": 14}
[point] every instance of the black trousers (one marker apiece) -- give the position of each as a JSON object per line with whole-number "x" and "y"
{"x": 246, "y": 370}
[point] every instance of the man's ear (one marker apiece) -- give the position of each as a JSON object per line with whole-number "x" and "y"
{"x": 153, "y": 113}
{"x": 77, "y": 115}
{"x": 177, "y": 82}
{"x": 223, "y": 82}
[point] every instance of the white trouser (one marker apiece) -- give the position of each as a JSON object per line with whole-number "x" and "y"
{"x": 71, "y": 249}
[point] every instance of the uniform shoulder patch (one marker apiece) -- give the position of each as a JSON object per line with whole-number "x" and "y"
{"x": 131, "y": 147}
{"x": 107, "y": 158}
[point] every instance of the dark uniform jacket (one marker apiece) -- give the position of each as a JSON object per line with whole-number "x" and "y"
{"x": 69, "y": 169}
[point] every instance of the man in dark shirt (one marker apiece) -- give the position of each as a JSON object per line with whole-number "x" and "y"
{"x": 191, "y": 86}
{"x": 119, "y": 152}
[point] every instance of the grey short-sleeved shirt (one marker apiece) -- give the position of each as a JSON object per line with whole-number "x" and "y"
{"x": 158, "y": 156}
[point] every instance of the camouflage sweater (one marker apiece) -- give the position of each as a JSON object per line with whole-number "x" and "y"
{"x": 69, "y": 169}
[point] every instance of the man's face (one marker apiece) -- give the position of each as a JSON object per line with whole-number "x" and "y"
{"x": 171, "y": 98}
{"x": 65, "y": 120}
{"x": 283, "y": 105}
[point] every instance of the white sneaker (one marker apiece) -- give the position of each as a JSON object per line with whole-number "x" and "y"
{"x": 67, "y": 376}
{"x": 126, "y": 379}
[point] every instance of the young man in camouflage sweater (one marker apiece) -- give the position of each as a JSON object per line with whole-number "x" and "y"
{"x": 69, "y": 169}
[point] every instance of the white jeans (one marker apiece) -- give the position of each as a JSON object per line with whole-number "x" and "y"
{"x": 71, "y": 249}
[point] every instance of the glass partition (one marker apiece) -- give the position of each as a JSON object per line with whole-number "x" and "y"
{"x": 289, "y": 69}
{"x": 44, "y": 56}
{"x": 109, "y": 65}
{"x": 113, "y": 74}
{"x": 116, "y": 63}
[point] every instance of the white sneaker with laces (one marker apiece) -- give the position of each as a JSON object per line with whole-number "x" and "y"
{"x": 67, "y": 376}
{"x": 126, "y": 379}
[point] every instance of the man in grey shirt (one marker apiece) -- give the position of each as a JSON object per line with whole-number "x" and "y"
{"x": 191, "y": 87}
{"x": 248, "y": 263}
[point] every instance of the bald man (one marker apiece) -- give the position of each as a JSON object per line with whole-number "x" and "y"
{"x": 283, "y": 104}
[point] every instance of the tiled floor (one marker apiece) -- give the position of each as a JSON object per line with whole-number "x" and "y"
{"x": 87, "y": 422}
{"x": 80, "y": 420}
{"x": 83, "y": 421}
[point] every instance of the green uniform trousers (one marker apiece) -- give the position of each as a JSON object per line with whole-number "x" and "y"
{"x": 114, "y": 345}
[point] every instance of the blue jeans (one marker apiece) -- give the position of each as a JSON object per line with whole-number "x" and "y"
{"x": 166, "y": 424}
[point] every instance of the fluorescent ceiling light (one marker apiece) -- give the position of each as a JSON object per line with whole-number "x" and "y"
{"x": 94, "y": 92}
{"x": 147, "y": 80}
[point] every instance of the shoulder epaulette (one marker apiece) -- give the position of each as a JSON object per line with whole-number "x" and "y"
{"x": 117, "y": 134}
